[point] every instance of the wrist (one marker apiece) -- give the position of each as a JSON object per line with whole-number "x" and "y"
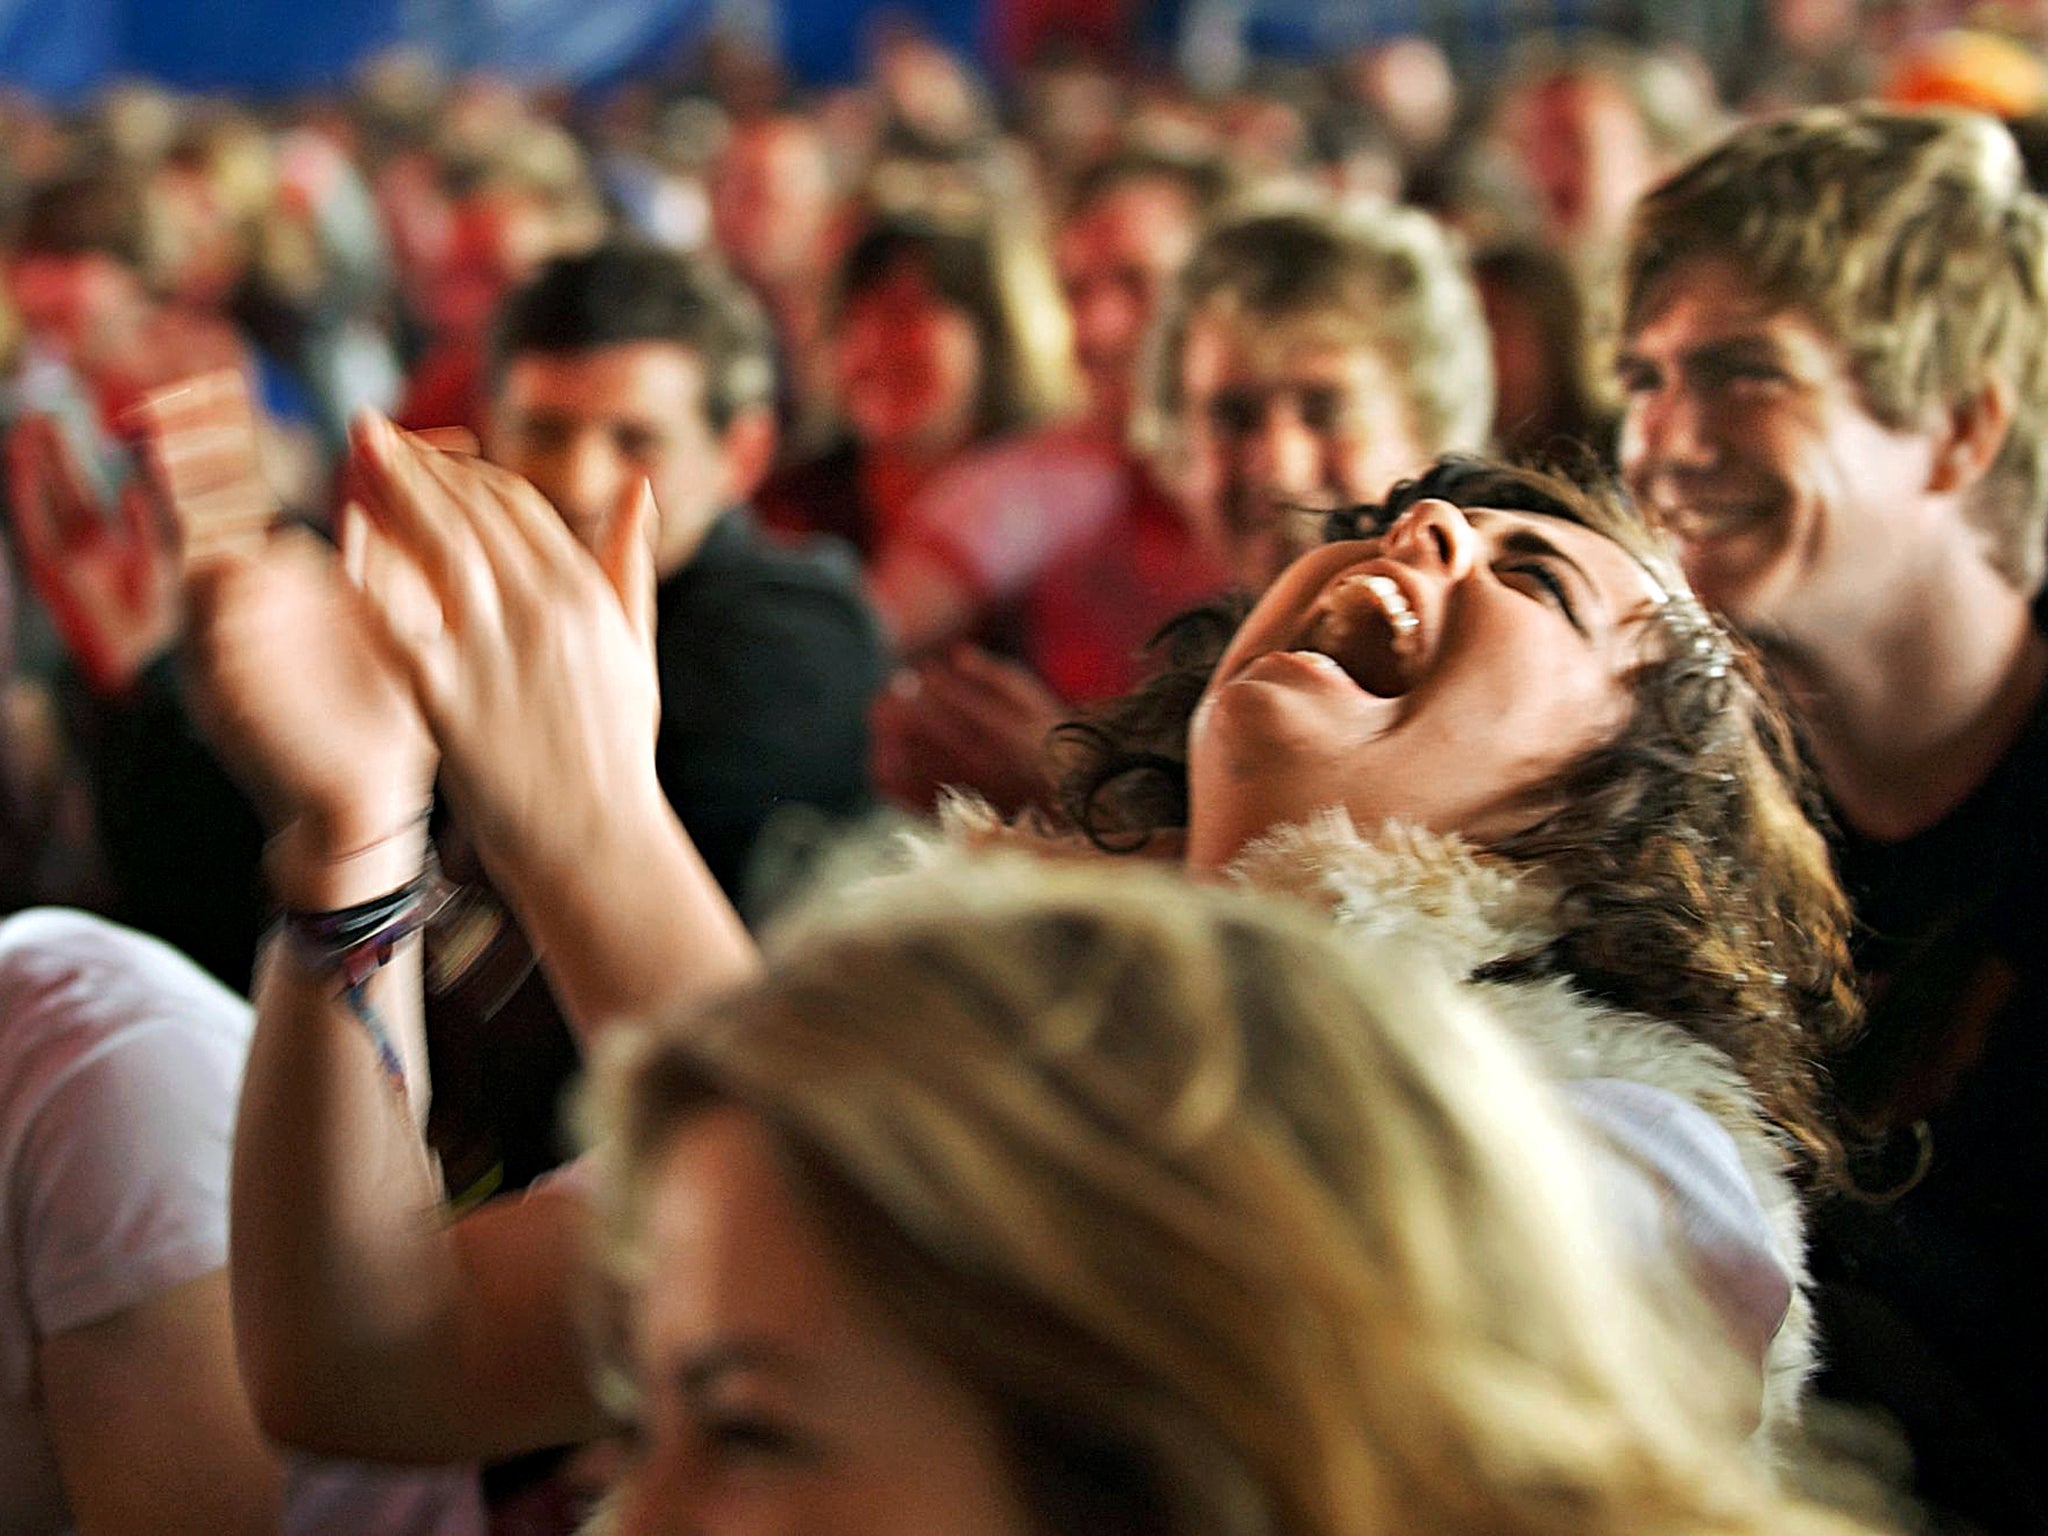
{"x": 324, "y": 863}
{"x": 576, "y": 852}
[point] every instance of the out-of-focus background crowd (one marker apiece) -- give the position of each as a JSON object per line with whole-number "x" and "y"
{"x": 340, "y": 216}
{"x": 998, "y": 337}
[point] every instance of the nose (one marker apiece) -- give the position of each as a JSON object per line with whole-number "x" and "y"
{"x": 587, "y": 481}
{"x": 1107, "y": 320}
{"x": 1437, "y": 536}
{"x": 1284, "y": 456}
{"x": 1664, "y": 431}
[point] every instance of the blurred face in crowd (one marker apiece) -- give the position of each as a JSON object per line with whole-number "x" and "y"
{"x": 1445, "y": 673}
{"x": 909, "y": 366}
{"x": 771, "y": 199}
{"x": 1586, "y": 148}
{"x": 1278, "y": 427}
{"x": 583, "y": 426}
{"x": 497, "y": 237}
{"x": 1746, "y": 435}
{"x": 203, "y": 252}
{"x": 776, "y": 1398}
{"x": 90, "y": 307}
{"x": 1115, "y": 258}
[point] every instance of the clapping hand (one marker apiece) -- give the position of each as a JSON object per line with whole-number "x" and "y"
{"x": 289, "y": 675}
{"x": 968, "y": 720}
{"x": 531, "y": 661}
{"x": 110, "y": 582}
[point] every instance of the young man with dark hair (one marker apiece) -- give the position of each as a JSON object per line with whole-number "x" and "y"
{"x": 626, "y": 364}
{"x": 611, "y": 368}
{"x": 1835, "y": 353}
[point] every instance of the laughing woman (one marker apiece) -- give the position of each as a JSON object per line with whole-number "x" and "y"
{"x": 1491, "y": 726}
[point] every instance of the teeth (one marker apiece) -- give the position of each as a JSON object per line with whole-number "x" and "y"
{"x": 1399, "y": 614}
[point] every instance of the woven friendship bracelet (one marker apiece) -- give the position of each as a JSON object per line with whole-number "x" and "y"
{"x": 353, "y": 944}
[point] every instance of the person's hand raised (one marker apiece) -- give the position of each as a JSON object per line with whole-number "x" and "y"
{"x": 288, "y": 672}
{"x": 532, "y": 661}
{"x": 967, "y": 720}
{"x": 109, "y": 580}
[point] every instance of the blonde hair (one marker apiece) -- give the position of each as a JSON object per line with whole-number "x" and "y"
{"x": 1387, "y": 278}
{"x": 1912, "y": 238}
{"x": 1234, "y": 1230}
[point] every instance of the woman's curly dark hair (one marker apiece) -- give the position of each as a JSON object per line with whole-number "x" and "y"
{"x": 1696, "y": 886}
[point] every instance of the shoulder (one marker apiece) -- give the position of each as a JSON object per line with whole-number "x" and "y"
{"x": 745, "y": 589}
{"x": 738, "y": 556}
{"x": 70, "y": 981}
{"x": 119, "y": 1063}
{"x": 1008, "y": 510}
{"x": 110, "y": 1035}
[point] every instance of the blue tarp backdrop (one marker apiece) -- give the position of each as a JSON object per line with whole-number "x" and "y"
{"x": 63, "y": 48}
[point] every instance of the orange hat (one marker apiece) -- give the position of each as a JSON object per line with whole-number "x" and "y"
{"x": 1978, "y": 70}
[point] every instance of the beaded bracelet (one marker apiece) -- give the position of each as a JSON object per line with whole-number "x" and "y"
{"x": 354, "y": 943}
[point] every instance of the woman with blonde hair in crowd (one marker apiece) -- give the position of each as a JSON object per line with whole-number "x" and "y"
{"x": 1029, "y": 1197}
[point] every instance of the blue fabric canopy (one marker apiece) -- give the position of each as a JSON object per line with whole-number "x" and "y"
{"x": 64, "y": 48}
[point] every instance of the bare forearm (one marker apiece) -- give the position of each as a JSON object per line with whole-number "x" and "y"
{"x": 369, "y": 1324}
{"x": 341, "y": 1267}
{"x": 340, "y": 1264}
{"x": 634, "y": 924}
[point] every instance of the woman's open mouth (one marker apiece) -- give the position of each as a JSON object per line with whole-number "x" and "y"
{"x": 1369, "y": 628}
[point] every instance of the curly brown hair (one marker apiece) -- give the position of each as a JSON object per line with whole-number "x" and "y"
{"x": 1696, "y": 885}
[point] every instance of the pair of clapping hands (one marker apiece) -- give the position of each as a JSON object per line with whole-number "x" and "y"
{"x": 460, "y": 630}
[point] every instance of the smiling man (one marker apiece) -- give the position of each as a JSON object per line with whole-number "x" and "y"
{"x": 630, "y": 363}
{"x": 1835, "y": 354}
{"x": 1311, "y": 357}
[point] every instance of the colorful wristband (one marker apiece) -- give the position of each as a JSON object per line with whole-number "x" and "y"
{"x": 354, "y": 943}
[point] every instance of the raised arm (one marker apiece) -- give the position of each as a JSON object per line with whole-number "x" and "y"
{"x": 366, "y": 1324}
{"x": 533, "y": 665}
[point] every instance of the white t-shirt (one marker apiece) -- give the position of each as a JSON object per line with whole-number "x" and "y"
{"x": 120, "y": 1063}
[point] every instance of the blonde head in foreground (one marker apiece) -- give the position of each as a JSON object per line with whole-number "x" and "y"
{"x": 1124, "y": 1205}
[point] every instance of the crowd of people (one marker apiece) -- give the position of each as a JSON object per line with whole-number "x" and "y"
{"x": 1116, "y": 807}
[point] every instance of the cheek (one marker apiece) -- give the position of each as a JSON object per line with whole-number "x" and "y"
{"x": 1631, "y": 453}
{"x": 853, "y": 358}
{"x": 954, "y": 362}
{"x": 1209, "y": 461}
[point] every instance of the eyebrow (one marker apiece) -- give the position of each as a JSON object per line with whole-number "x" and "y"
{"x": 1520, "y": 539}
{"x": 699, "y": 1370}
{"x": 1736, "y": 344}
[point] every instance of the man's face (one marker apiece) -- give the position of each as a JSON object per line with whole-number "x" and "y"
{"x": 1796, "y": 510}
{"x": 90, "y": 306}
{"x": 1115, "y": 258}
{"x": 771, "y": 200}
{"x": 1275, "y": 428}
{"x": 582, "y": 426}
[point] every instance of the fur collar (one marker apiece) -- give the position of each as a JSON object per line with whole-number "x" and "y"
{"x": 1436, "y": 893}
{"x": 1464, "y": 909}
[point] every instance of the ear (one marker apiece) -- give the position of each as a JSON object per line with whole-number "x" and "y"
{"x": 1975, "y": 432}
{"x": 748, "y": 449}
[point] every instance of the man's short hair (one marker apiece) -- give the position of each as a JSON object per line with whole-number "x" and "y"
{"x": 620, "y": 294}
{"x": 1376, "y": 276}
{"x": 1202, "y": 180}
{"x": 91, "y": 213}
{"x": 1912, "y": 239}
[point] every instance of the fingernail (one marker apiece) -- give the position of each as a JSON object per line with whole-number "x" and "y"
{"x": 354, "y": 543}
{"x": 373, "y": 429}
